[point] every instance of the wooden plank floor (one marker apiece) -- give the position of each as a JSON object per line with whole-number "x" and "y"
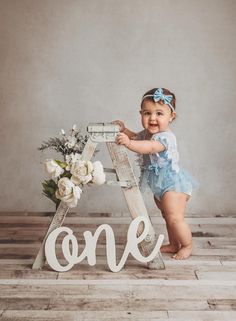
{"x": 200, "y": 288}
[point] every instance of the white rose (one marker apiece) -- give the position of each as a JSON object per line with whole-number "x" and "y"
{"x": 68, "y": 192}
{"x": 53, "y": 168}
{"x": 81, "y": 172}
{"x": 99, "y": 176}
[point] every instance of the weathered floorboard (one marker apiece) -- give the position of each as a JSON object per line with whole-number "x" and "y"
{"x": 201, "y": 288}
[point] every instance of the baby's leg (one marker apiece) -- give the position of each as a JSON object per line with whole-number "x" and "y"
{"x": 174, "y": 244}
{"x": 173, "y": 205}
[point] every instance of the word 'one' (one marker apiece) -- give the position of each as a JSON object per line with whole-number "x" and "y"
{"x": 71, "y": 255}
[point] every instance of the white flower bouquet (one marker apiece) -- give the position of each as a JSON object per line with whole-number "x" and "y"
{"x": 68, "y": 177}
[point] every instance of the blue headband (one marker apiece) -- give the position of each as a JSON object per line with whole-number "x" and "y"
{"x": 158, "y": 95}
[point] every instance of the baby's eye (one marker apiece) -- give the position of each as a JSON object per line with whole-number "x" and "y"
{"x": 146, "y": 113}
{"x": 159, "y": 113}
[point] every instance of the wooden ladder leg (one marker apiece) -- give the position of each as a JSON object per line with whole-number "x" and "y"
{"x": 62, "y": 210}
{"x": 134, "y": 199}
{"x": 55, "y": 223}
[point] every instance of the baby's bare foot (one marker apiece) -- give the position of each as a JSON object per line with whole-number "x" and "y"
{"x": 183, "y": 253}
{"x": 169, "y": 248}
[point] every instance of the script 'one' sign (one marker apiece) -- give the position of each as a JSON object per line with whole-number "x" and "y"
{"x": 71, "y": 255}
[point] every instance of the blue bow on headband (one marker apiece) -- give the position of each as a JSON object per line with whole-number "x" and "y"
{"x": 158, "y": 95}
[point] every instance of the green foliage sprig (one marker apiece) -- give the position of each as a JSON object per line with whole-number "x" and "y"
{"x": 66, "y": 144}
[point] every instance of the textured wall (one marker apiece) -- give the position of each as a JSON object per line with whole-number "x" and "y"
{"x": 66, "y": 61}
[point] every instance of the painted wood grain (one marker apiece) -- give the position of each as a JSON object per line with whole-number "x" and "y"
{"x": 96, "y": 315}
{"x": 200, "y": 288}
{"x": 107, "y": 291}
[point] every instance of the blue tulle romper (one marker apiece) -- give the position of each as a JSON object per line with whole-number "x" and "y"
{"x": 161, "y": 171}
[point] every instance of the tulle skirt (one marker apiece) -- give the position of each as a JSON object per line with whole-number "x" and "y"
{"x": 161, "y": 180}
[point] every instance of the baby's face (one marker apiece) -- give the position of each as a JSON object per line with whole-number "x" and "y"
{"x": 156, "y": 117}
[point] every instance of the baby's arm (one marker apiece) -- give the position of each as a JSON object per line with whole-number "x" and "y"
{"x": 140, "y": 146}
{"x": 123, "y": 129}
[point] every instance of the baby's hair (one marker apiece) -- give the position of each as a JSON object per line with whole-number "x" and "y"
{"x": 165, "y": 92}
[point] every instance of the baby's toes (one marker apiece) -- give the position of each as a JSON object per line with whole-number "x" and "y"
{"x": 183, "y": 253}
{"x": 178, "y": 256}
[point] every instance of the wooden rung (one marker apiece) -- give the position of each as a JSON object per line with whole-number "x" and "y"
{"x": 109, "y": 170}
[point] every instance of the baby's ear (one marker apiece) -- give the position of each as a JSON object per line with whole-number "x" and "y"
{"x": 173, "y": 115}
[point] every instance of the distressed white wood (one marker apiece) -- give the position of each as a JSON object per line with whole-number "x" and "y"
{"x": 118, "y": 281}
{"x": 56, "y": 222}
{"x": 103, "y": 132}
{"x": 72, "y": 295}
{"x": 103, "y": 128}
{"x": 202, "y": 315}
{"x": 89, "y": 150}
{"x": 114, "y": 315}
{"x": 134, "y": 199}
{"x": 211, "y": 275}
{"x": 228, "y": 263}
{"x": 119, "y": 291}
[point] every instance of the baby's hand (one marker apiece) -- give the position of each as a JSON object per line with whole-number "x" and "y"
{"x": 121, "y": 124}
{"x": 123, "y": 139}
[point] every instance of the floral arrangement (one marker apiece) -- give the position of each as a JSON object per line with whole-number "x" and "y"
{"x": 68, "y": 177}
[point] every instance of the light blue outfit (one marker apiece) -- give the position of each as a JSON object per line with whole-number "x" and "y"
{"x": 161, "y": 171}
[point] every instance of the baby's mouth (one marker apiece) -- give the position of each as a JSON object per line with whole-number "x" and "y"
{"x": 153, "y": 125}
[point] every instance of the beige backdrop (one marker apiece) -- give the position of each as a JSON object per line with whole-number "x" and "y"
{"x": 74, "y": 61}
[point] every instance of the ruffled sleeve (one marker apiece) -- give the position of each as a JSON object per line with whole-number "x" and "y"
{"x": 162, "y": 138}
{"x": 170, "y": 153}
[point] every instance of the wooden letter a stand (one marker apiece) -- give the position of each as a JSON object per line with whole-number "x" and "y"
{"x": 126, "y": 179}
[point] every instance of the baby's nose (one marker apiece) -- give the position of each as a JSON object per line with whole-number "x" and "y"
{"x": 153, "y": 116}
